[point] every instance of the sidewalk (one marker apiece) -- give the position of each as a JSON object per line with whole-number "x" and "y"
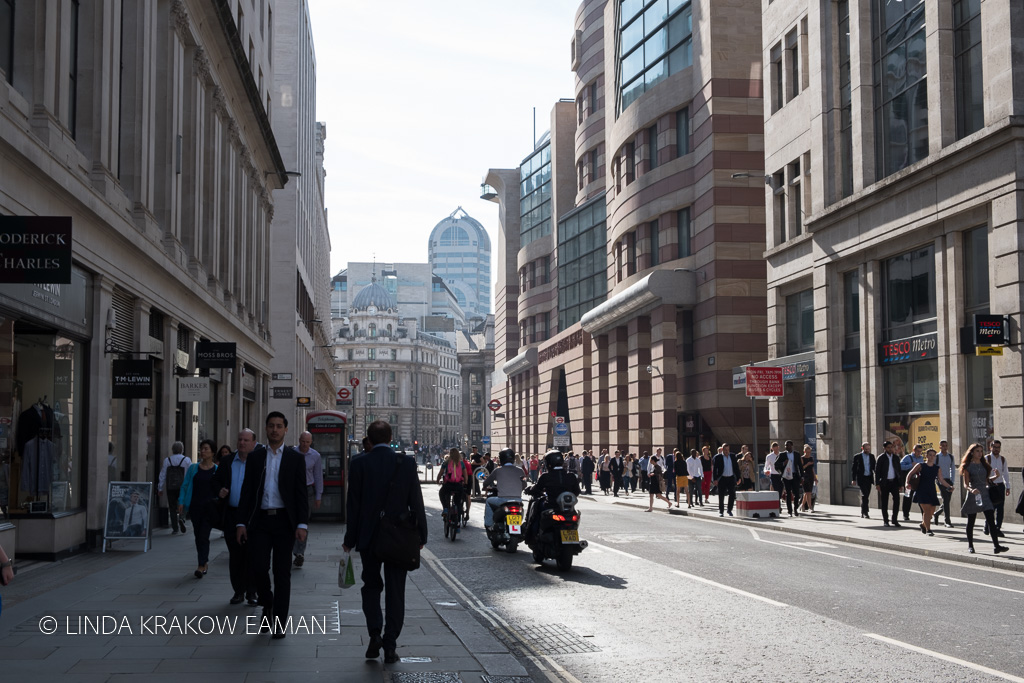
{"x": 844, "y": 523}
{"x": 124, "y": 595}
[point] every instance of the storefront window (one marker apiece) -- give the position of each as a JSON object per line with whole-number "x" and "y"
{"x": 979, "y": 399}
{"x": 912, "y": 405}
{"x": 800, "y": 322}
{"x": 40, "y": 419}
{"x": 854, "y": 423}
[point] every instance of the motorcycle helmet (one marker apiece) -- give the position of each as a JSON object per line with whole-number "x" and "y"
{"x": 553, "y": 459}
{"x": 506, "y": 456}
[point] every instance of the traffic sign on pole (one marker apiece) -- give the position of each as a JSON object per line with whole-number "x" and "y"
{"x": 764, "y": 382}
{"x": 354, "y": 381}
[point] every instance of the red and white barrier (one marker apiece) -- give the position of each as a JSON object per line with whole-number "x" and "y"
{"x": 757, "y": 504}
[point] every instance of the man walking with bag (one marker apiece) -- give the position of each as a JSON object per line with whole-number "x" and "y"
{"x": 172, "y": 476}
{"x": 382, "y": 481}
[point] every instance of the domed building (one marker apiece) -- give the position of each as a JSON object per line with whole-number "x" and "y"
{"x": 460, "y": 253}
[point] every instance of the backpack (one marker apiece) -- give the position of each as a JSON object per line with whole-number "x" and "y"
{"x": 176, "y": 475}
{"x": 464, "y": 475}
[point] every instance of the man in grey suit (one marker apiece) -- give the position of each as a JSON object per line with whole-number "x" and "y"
{"x": 378, "y": 477}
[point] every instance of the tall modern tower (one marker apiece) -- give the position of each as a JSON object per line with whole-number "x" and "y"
{"x": 460, "y": 252}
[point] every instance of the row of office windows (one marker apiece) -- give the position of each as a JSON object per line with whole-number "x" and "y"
{"x": 652, "y": 147}
{"x": 647, "y": 245}
{"x": 655, "y": 41}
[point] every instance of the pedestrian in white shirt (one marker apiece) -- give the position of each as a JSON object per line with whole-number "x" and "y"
{"x": 998, "y": 485}
{"x": 695, "y": 471}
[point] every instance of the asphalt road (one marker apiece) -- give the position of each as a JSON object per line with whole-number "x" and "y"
{"x": 668, "y": 598}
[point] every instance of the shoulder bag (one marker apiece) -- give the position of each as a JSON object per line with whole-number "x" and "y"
{"x": 397, "y": 539}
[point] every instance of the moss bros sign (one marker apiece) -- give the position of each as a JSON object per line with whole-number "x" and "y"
{"x": 216, "y": 355}
{"x": 35, "y": 249}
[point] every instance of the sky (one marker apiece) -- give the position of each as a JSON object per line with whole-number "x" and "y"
{"x": 420, "y": 98}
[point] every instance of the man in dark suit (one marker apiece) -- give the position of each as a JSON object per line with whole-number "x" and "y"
{"x": 616, "y": 466}
{"x": 863, "y": 475}
{"x": 587, "y": 470}
{"x": 724, "y": 471}
{"x": 273, "y": 513}
{"x": 229, "y": 477}
{"x": 889, "y": 482}
{"x": 375, "y": 479}
{"x": 789, "y": 467}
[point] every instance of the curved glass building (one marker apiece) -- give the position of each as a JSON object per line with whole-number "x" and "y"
{"x": 460, "y": 252}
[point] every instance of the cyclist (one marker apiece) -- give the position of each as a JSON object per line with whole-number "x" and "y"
{"x": 508, "y": 479}
{"x": 455, "y": 479}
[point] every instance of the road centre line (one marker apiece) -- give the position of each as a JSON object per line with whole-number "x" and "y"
{"x": 880, "y": 564}
{"x": 946, "y": 658}
{"x": 498, "y": 622}
{"x": 744, "y": 593}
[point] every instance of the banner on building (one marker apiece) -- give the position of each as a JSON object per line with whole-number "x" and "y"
{"x": 35, "y": 249}
{"x": 193, "y": 389}
{"x": 216, "y": 354}
{"x": 132, "y": 379}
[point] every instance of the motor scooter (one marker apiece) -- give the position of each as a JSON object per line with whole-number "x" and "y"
{"x": 557, "y": 535}
{"x": 506, "y": 530}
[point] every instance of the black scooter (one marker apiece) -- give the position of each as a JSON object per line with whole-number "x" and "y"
{"x": 557, "y": 536}
{"x": 507, "y": 527}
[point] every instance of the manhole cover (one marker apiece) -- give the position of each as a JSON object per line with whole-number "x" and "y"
{"x": 426, "y": 677}
{"x": 550, "y": 639}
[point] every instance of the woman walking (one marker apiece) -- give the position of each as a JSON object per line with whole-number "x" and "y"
{"x": 746, "y": 461}
{"x": 706, "y": 465}
{"x": 655, "y": 489}
{"x": 974, "y": 473}
{"x": 925, "y": 493}
{"x": 627, "y": 473}
{"x": 199, "y": 495}
{"x": 808, "y": 480}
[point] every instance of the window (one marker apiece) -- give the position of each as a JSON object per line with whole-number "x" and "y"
{"x": 776, "y": 77}
{"x": 371, "y": 376}
{"x": 582, "y": 269}
{"x": 391, "y": 376}
{"x": 970, "y": 113}
{"x": 579, "y": 109}
{"x": 779, "y": 190}
{"x": 683, "y": 232}
{"x": 682, "y": 132}
{"x": 593, "y": 98}
{"x": 795, "y": 198}
{"x": 394, "y": 354}
{"x": 652, "y": 147}
{"x": 910, "y": 294}
{"x": 901, "y": 97}
{"x": 793, "y": 57}
{"x": 845, "y": 101}
{"x": 371, "y": 353}
{"x": 851, "y": 308}
{"x": 7, "y": 38}
{"x": 654, "y": 43}
{"x": 392, "y": 397}
{"x": 371, "y": 397}
{"x": 631, "y": 255}
{"x": 976, "y": 270}
{"x": 73, "y": 70}
{"x": 593, "y": 165}
{"x": 373, "y": 329}
{"x": 654, "y": 243}
{"x": 800, "y": 322}
{"x": 535, "y": 196}
{"x": 351, "y": 354}
{"x": 270, "y": 35}
{"x": 630, "y": 163}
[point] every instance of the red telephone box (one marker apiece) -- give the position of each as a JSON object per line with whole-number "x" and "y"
{"x": 330, "y": 436}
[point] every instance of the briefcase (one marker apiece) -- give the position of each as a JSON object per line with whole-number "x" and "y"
{"x": 397, "y": 542}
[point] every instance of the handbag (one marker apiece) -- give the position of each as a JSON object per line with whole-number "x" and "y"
{"x": 912, "y": 480}
{"x": 397, "y": 539}
{"x": 1020, "y": 504}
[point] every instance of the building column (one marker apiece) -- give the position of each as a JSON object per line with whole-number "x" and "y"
{"x": 639, "y": 395}
{"x": 663, "y": 340}
{"x": 97, "y": 408}
{"x": 1006, "y": 254}
{"x": 597, "y": 427}
{"x": 618, "y": 388}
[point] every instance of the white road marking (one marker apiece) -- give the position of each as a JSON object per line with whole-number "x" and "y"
{"x": 973, "y": 583}
{"x": 613, "y": 550}
{"x": 946, "y": 658}
{"x": 555, "y": 673}
{"x": 709, "y": 582}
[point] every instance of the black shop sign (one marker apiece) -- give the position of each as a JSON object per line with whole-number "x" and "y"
{"x": 989, "y": 330}
{"x": 216, "y": 354}
{"x": 132, "y": 379}
{"x": 35, "y": 249}
{"x": 910, "y": 349}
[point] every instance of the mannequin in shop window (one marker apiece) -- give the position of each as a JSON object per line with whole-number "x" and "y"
{"x": 38, "y": 452}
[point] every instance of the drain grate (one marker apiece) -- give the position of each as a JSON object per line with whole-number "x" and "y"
{"x": 506, "y": 679}
{"x": 426, "y": 677}
{"x": 550, "y": 639}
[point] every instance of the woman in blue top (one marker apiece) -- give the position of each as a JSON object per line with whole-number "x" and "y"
{"x": 198, "y": 494}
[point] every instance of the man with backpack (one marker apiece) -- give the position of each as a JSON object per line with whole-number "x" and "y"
{"x": 172, "y": 476}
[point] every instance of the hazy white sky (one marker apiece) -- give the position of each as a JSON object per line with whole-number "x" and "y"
{"x": 420, "y": 99}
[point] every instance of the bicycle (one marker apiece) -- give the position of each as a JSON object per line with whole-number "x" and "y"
{"x": 452, "y": 526}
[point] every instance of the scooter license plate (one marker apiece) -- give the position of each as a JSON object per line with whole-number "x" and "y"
{"x": 571, "y": 536}
{"x": 514, "y": 520}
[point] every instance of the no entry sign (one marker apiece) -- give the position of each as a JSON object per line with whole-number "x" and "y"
{"x": 764, "y": 382}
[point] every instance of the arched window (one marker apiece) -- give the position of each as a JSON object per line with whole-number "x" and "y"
{"x": 389, "y": 329}
{"x": 373, "y": 330}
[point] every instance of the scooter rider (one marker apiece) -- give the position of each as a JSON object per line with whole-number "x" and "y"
{"x": 553, "y": 482}
{"x": 509, "y": 480}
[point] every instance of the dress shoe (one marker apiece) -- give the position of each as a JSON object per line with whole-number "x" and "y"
{"x": 390, "y": 657}
{"x": 948, "y": 525}
{"x": 373, "y": 649}
{"x": 266, "y": 620}
{"x": 299, "y": 559}
{"x": 237, "y": 599}
{"x": 181, "y": 523}
{"x": 199, "y": 573}
{"x": 251, "y": 600}
{"x": 970, "y": 549}
{"x": 278, "y": 635}
{"x": 1002, "y": 549}
{"x": 896, "y": 524}
{"x": 886, "y": 523}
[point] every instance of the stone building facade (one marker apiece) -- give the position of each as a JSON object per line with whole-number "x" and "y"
{"x": 150, "y": 128}
{"x": 893, "y": 156}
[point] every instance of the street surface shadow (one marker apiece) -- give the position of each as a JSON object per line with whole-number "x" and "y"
{"x": 585, "y": 576}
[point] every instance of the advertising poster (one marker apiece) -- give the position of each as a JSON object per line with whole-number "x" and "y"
{"x": 924, "y": 431}
{"x": 128, "y": 506}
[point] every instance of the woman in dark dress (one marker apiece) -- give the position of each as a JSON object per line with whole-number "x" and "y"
{"x": 657, "y": 476}
{"x": 199, "y": 494}
{"x": 924, "y": 494}
{"x": 808, "y": 480}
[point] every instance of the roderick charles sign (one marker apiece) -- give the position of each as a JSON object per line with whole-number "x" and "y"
{"x": 35, "y": 249}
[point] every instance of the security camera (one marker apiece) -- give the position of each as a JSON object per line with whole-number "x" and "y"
{"x": 649, "y": 370}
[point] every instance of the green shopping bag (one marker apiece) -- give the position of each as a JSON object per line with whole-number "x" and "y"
{"x": 346, "y": 572}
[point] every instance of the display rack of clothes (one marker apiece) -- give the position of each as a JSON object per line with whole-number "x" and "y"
{"x": 34, "y": 437}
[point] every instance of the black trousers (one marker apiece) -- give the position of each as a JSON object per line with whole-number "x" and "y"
{"x": 778, "y": 487}
{"x": 989, "y": 521}
{"x": 947, "y": 494}
{"x": 997, "y": 492}
{"x": 908, "y": 502}
{"x": 890, "y": 488}
{"x": 588, "y": 483}
{"x": 393, "y": 587}
{"x": 726, "y": 487}
{"x": 238, "y": 556}
{"x": 865, "y": 492}
{"x": 793, "y": 494}
{"x": 200, "y": 514}
{"x": 272, "y": 535}
{"x": 616, "y": 483}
